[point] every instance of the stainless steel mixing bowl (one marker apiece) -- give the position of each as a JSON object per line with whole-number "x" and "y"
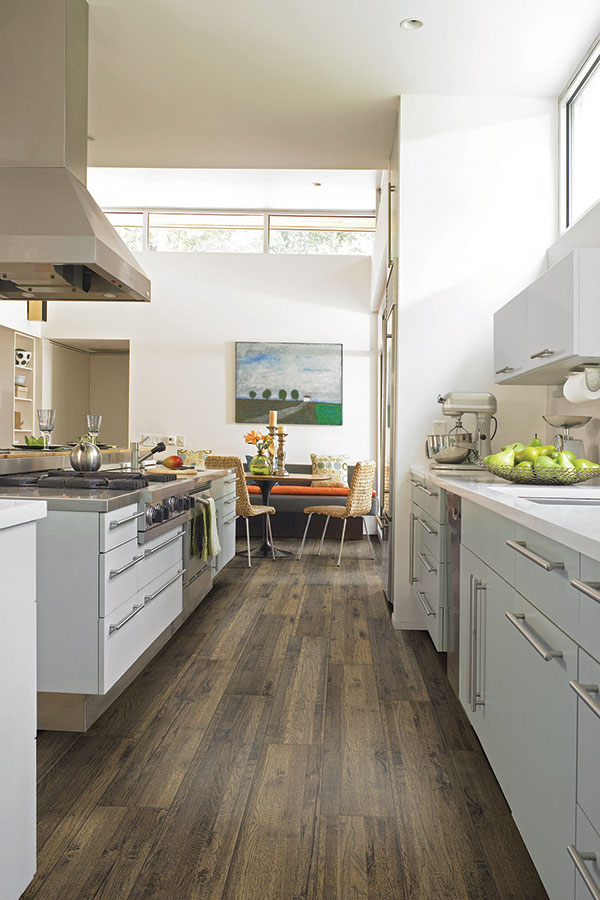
{"x": 444, "y": 448}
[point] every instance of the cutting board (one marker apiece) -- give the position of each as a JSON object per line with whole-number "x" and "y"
{"x": 181, "y": 473}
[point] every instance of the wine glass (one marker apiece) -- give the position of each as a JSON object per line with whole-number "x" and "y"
{"x": 94, "y": 422}
{"x": 46, "y": 422}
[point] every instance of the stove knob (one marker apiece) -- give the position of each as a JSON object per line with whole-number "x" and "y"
{"x": 149, "y": 515}
{"x": 157, "y": 513}
{"x": 166, "y": 511}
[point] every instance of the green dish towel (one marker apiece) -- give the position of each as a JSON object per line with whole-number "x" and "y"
{"x": 212, "y": 545}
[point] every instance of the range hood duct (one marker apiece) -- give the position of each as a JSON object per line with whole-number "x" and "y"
{"x": 55, "y": 241}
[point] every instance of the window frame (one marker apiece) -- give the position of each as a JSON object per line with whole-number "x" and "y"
{"x": 147, "y": 211}
{"x": 589, "y": 67}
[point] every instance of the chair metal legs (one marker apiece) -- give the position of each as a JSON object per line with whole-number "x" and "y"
{"x": 342, "y": 541}
{"x": 304, "y": 536}
{"x": 323, "y": 536}
{"x": 368, "y": 537}
{"x": 248, "y": 541}
{"x": 270, "y": 534}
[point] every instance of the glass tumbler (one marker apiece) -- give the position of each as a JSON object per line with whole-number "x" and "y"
{"x": 46, "y": 423}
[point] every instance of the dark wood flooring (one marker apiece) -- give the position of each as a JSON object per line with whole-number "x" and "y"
{"x": 287, "y": 744}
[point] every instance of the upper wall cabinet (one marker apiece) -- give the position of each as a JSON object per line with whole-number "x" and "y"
{"x": 551, "y": 326}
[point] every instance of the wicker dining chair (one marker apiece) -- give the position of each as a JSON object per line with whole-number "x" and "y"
{"x": 243, "y": 507}
{"x": 360, "y": 499}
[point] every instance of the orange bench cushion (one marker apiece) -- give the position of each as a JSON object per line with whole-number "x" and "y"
{"x": 305, "y": 491}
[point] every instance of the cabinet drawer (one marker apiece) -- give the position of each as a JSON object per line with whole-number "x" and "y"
{"x": 588, "y": 737}
{"x": 588, "y": 591}
{"x": 160, "y": 554}
{"x": 543, "y": 574}
{"x": 428, "y": 592}
{"x": 587, "y": 842}
{"x": 222, "y": 486}
{"x": 429, "y": 498}
{"x": 130, "y": 629}
{"x": 485, "y": 534}
{"x": 118, "y": 527}
{"x": 118, "y": 576}
{"x": 227, "y": 537}
{"x": 430, "y": 532}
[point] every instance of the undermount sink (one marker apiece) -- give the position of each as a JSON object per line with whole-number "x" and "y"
{"x": 564, "y": 501}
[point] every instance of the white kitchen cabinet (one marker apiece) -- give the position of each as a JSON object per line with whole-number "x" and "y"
{"x": 560, "y": 323}
{"x": 587, "y": 690}
{"x": 510, "y": 339}
{"x": 17, "y": 704}
{"x": 428, "y": 573}
{"x": 585, "y": 857}
{"x": 224, "y": 493}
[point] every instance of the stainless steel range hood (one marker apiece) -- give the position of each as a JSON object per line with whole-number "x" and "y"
{"x": 55, "y": 241}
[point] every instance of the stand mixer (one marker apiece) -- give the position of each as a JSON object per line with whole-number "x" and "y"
{"x": 458, "y": 446}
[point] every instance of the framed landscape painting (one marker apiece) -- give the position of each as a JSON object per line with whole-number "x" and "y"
{"x": 303, "y": 382}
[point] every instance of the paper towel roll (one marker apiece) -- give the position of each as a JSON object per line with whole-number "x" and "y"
{"x": 576, "y": 390}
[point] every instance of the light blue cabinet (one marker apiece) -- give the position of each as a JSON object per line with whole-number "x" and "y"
{"x": 428, "y": 559}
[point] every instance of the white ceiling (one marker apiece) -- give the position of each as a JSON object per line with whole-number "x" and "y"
{"x": 306, "y": 83}
{"x": 235, "y": 189}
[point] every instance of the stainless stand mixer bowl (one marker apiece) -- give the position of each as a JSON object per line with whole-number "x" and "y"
{"x": 446, "y": 448}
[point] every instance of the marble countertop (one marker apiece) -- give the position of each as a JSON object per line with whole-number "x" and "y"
{"x": 577, "y": 527}
{"x": 17, "y": 512}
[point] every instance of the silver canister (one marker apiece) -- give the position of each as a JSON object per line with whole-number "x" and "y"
{"x": 85, "y": 457}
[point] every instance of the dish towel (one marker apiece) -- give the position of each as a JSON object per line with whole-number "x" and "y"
{"x": 212, "y": 544}
{"x": 198, "y": 535}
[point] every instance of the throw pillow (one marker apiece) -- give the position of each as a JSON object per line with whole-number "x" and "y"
{"x": 334, "y": 466}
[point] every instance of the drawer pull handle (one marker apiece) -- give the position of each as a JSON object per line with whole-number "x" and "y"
{"x": 119, "y": 625}
{"x": 229, "y": 502}
{"x": 426, "y": 563}
{"x": 114, "y": 572}
{"x": 425, "y": 490}
{"x": 229, "y": 521}
{"x": 117, "y": 524}
{"x": 504, "y": 370}
{"x": 583, "y": 691}
{"x": 543, "y": 354}
{"x": 428, "y": 610}
{"x": 521, "y": 547}
{"x": 150, "y": 597}
{"x": 545, "y": 652}
{"x": 429, "y": 530}
{"x": 164, "y": 544}
{"x": 229, "y": 480}
{"x": 580, "y": 859}
{"x": 411, "y": 548}
{"x": 589, "y": 588}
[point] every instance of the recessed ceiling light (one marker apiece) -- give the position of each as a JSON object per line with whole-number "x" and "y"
{"x": 411, "y": 24}
{"x": 316, "y": 184}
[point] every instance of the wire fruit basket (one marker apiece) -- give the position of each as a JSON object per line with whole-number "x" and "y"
{"x": 550, "y": 475}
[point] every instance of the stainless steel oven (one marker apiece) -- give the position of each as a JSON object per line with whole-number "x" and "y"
{"x": 198, "y": 572}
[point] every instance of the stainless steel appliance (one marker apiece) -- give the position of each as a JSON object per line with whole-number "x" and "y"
{"x": 453, "y": 589}
{"x": 449, "y": 448}
{"x": 456, "y": 404}
{"x": 564, "y": 441}
{"x": 197, "y": 581}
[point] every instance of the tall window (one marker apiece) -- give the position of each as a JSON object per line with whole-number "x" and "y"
{"x": 581, "y": 140}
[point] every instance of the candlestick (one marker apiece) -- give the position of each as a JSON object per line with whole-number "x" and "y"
{"x": 281, "y": 469}
{"x": 271, "y": 449}
{"x": 281, "y": 429}
{"x": 272, "y": 418}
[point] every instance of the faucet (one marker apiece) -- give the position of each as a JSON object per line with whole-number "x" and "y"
{"x": 136, "y": 459}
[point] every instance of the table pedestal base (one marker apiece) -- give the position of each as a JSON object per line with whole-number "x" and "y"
{"x": 265, "y": 551}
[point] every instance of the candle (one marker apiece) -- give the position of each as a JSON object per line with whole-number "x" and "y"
{"x": 281, "y": 429}
{"x": 272, "y": 417}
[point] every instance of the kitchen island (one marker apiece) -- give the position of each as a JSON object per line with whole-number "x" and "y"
{"x": 17, "y": 694}
{"x": 528, "y": 644}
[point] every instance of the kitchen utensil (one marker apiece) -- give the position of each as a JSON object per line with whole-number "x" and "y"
{"x": 85, "y": 457}
{"x": 483, "y": 406}
{"x": 46, "y": 422}
{"x": 564, "y": 441}
{"x": 448, "y": 448}
{"x": 94, "y": 422}
{"x": 528, "y": 476}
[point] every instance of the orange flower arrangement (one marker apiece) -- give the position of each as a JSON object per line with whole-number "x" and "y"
{"x": 261, "y": 441}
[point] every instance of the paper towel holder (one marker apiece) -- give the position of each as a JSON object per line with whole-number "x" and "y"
{"x": 592, "y": 376}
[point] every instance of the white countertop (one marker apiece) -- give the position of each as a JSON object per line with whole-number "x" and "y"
{"x": 16, "y": 512}
{"x": 577, "y": 527}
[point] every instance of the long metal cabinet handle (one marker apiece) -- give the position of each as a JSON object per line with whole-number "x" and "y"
{"x": 474, "y": 695}
{"x": 426, "y": 562}
{"x": 425, "y": 490}
{"x": 425, "y": 526}
{"x": 543, "y": 354}
{"x": 229, "y": 502}
{"x": 428, "y": 610}
{"x": 114, "y": 572}
{"x": 150, "y": 597}
{"x": 579, "y": 859}
{"x": 583, "y": 691}
{"x": 411, "y": 550}
{"x": 589, "y": 588}
{"x": 164, "y": 544}
{"x": 229, "y": 521}
{"x": 547, "y": 565}
{"x": 545, "y": 652}
{"x": 197, "y": 575}
{"x": 504, "y": 370}
{"x": 229, "y": 480}
{"x": 137, "y": 607}
{"x": 117, "y": 524}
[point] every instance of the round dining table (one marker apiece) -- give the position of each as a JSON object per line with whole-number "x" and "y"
{"x": 266, "y": 483}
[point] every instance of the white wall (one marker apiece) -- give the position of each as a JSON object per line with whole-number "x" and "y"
{"x": 13, "y": 314}
{"x": 478, "y": 208}
{"x": 182, "y": 343}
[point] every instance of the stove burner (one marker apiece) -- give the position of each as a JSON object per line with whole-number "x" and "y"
{"x": 161, "y": 476}
{"x": 66, "y": 479}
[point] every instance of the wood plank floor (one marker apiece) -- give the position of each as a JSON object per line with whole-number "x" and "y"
{"x": 287, "y": 744}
